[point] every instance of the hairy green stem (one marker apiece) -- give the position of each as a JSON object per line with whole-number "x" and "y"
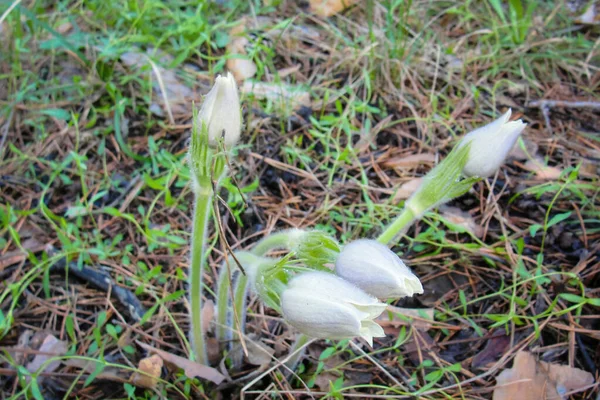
{"x": 201, "y": 218}
{"x": 297, "y": 351}
{"x": 283, "y": 239}
{"x": 223, "y": 327}
{"x": 401, "y": 221}
{"x": 225, "y": 317}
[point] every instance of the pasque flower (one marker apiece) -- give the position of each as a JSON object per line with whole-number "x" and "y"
{"x": 490, "y": 145}
{"x": 322, "y": 305}
{"x": 220, "y": 112}
{"x": 377, "y": 270}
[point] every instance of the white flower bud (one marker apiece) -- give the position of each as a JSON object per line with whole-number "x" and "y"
{"x": 221, "y": 112}
{"x": 377, "y": 270}
{"x": 322, "y": 305}
{"x": 490, "y": 145}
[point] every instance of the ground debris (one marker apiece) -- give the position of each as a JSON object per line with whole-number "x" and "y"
{"x": 191, "y": 368}
{"x": 530, "y": 379}
{"x": 149, "y": 372}
{"x": 327, "y": 8}
{"x": 51, "y": 347}
{"x": 541, "y": 170}
{"x": 291, "y": 97}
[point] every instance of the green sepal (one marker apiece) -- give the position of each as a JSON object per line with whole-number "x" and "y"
{"x": 315, "y": 249}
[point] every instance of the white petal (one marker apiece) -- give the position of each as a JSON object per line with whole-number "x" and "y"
{"x": 318, "y": 317}
{"x": 490, "y": 145}
{"x": 327, "y": 285}
{"x": 374, "y": 268}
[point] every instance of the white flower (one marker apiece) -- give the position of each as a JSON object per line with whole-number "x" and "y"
{"x": 322, "y": 305}
{"x": 221, "y": 112}
{"x": 490, "y": 145}
{"x": 377, "y": 270}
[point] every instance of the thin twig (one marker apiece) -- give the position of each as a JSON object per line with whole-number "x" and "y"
{"x": 104, "y": 282}
{"x": 564, "y": 103}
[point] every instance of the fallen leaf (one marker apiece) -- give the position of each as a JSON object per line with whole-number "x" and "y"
{"x": 288, "y": 71}
{"x": 208, "y": 312}
{"x": 259, "y": 353}
{"x": 64, "y": 28}
{"x": 239, "y": 64}
{"x": 16, "y": 256}
{"x": 166, "y": 83}
{"x": 494, "y": 348}
{"x": 292, "y": 96}
{"x": 150, "y": 369}
{"x": 108, "y": 373}
{"x": 327, "y": 8}
{"x": 407, "y": 189}
{"x": 530, "y": 379}
{"x": 462, "y": 220}
{"x": 190, "y": 368}
{"x": 541, "y": 170}
{"x": 18, "y": 354}
{"x": 441, "y": 286}
{"x": 590, "y": 16}
{"x": 518, "y": 153}
{"x": 51, "y": 347}
{"x": 412, "y": 160}
{"x": 324, "y": 380}
{"x": 419, "y": 318}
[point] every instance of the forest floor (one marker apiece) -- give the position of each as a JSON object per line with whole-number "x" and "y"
{"x": 345, "y": 114}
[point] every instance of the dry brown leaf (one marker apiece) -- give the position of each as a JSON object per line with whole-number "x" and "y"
{"x": 17, "y": 256}
{"x": 590, "y": 17}
{"x": 51, "y": 347}
{"x": 541, "y": 170}
{"x": 241, "y": 68}
{"x": 259, "y": 353}
{"x": 190, "y": 368}
{"x": 462, "y": 219}
{"x": 530, "y": 379}
{"x": 292, "y": 96}
{"x": 518, "y": 153}
{"x": 324, "y": 380}
{"x": 18, "y": 354}
{"x": 494, "y": 348}
{"x": 239, "y": 65}
{"x": 208, "y": 312}
{"x": 412, "y": 160}
{"x": 407, "y": 189}
{"x": 327, "y": 8}
{"x": 419, "y": 318}
{"x": 166, "y": 83}
{"x": 150, "y": 369}
{"x": 108, "y": 373}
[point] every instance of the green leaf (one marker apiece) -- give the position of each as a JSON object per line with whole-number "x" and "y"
{"x": 325, "y": 354}
{"x": 533, "y": 229}
{"x": 35, "y": 390}
{"x": 434, "y": 376}
{"x": 110, "y": 329}
{"x": 101, "y": 319}
{"x": 455, "y": 367}
{"x": 57, "y": 113}
{"x": 573, "y": 298}
{"x": 558, "y": 218}
{"x": 594, "y": 302}
{"x": 497, "y": 5}
{"x": 97, "y": 371}
{"x": 148, "y": 314}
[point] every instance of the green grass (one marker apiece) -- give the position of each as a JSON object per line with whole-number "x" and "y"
{"x": 93, "y": 173}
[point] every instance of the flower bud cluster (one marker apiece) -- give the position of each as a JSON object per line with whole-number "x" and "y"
{"x": 345, "y": 304}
